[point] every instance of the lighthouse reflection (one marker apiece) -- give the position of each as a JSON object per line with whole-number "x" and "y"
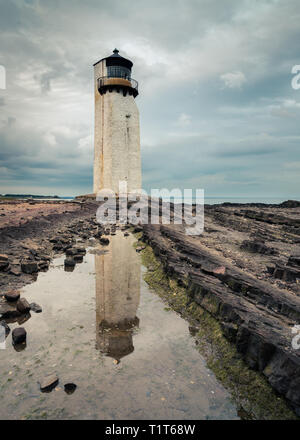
{"x": 118, "y": 274}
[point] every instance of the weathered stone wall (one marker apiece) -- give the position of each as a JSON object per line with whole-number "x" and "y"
{"x": 117, "y": 139}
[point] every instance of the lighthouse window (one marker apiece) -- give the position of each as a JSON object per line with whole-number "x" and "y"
{"x": 118, "y": 72}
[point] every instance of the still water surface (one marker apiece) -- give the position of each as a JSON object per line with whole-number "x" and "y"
{"x": 103, "y": 329}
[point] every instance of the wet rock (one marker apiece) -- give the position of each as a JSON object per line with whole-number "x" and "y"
{"x": 69, "y": 263}
{"x": 70, "y": 252}
{"x": 104, "y": 241}
{"x": 23, "y": 318}
{"x": 20, "y": 347}
{"x": 4, "y": 325}
{"x": 48, "y": 383}
{"x": 8, "y": 310}
{"x": 4, "y": 262}
{"x": 138, "y": 229}
{"x": 78, "y": 258}
{"x": 126, "y": 234}
{"x": 19, "y": 335}
{"x": 23, "y": 305}
{"x": 70, "y": 388}
{"x": 35, "y": 307}
{"x": 80, "y": 250}
{"x": 12, "y": 296}
{"x": 29, "y": 267}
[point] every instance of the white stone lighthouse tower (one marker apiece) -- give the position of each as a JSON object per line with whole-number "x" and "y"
{"x": 117, "y": 132}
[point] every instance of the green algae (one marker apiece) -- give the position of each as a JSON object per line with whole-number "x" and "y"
{"x": 250, "y": 390}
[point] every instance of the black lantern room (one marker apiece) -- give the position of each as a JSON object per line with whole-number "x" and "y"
{"x": 118, "y": 76}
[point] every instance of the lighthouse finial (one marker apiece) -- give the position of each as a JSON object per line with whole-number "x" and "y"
{"x": 115, "y": 51}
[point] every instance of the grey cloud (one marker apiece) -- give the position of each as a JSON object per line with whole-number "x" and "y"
{"x": 180, "y": 49}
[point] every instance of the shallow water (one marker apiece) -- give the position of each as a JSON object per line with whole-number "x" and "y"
{"x": 103, "y": 329}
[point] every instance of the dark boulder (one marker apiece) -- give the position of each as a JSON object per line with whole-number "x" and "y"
{"x": 12, "y": 296}
{"x": 70, "y": 252}
{"x": 48, "y": 383}
{"x": 78, "y": 258}
{"x": 29, "y": 267}
{"x": 35, "y": 307}
{"x": 19, "y": 335}
{"x": 69, "y": 264}
{"x": 70, "y": 388}
{"x": 104, "y": 241}
{"x": 23, "y": 305}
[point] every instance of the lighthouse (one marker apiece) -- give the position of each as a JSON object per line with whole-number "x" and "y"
{"x": 117, "y": 129}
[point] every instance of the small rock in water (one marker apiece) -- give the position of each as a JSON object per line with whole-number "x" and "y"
{"x": 126, "y": 234}
{"x": 19, "y": 335}
{"x": 104, "y": 240}
{"x": 71, "y": 251}
{"x": 80, "y": 250}
{"x": 70, "y": 388}
{"x": 70, "y": 262}
{"x": 23, "y": 318}
{"x": 35, "y": 308}
{"x": 23, "y": 305}
{"x": 6, "y": 328}
{"x": 48, "y": 383}
{"x": 12, "y": 296}
{"x": 78, "y": 258}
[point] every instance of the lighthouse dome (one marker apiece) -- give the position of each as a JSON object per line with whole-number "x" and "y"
{"x": 115, "y": 59}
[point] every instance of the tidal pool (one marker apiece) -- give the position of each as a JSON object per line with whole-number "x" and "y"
{"x": 104, "y": 330}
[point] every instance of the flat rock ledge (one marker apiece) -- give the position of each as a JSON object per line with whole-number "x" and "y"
{"x": 256, "y": 316}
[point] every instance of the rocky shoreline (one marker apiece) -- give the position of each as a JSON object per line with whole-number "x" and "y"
{"x": 244, "y": 270}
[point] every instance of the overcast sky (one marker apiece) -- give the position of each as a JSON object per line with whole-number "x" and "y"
{"x": 216, "y": 104}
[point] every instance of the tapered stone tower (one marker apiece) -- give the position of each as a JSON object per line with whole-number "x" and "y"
{"x": 117, "y": 132}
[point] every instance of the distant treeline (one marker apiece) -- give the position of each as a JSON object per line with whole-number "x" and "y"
{"x": 28, "y": 196}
